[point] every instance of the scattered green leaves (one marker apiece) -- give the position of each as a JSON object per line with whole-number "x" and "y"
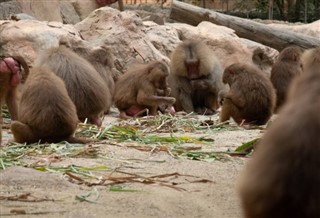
{"x": 130, "y": 133}
{"x": 12, "y": 154}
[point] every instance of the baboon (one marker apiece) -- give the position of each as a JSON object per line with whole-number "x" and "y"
{"x": 251, "y": 98}
{"x": 196, "y": 78}
{"x": 143, "y": 86}
{"x": 101, "y": 59}
{"x": 311, "y": 58}
{"x": 10, "y": 79}
{"x": 84, "y": 84}
{"x": 45, "y": 112}
{"x": 287, "y": 66}
{"x": 262, "y": 60}
{"x": 282, "y": 180}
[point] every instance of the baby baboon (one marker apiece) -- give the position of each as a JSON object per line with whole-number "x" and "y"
{"x": 84, "y": 84}
{"x": 196, "y": 78}
{"x": 46, "y": 112}
{"x": 311, "y": 58}
{"x": 287, "y": 66}
{"x": 10, "y": 79}
{"x": 251, "y": 98}
{"x": 282, "y": 178}
{"x": 138, "y": 89}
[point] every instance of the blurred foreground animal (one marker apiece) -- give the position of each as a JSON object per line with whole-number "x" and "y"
{"x": 282, "y": 180}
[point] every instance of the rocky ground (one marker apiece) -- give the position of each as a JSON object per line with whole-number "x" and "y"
{"x": 113, "y": 178}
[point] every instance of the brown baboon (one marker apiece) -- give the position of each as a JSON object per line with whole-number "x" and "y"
{"x": 143, "y": 86}
{"x": 196, "y": 78}
{"x": 287, "y": 66}
{"x": 282, "y": 178}
{"x": 10, "y": 78}
{"x": 311, "y": 58}
{"x": 101, "y": 59}
{"x": 251, "y": 98}
{"x": 84, "y": 84}
{"x": 45, "y": 112}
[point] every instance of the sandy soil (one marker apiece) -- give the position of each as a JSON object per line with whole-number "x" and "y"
{"x": 205, "y": 188}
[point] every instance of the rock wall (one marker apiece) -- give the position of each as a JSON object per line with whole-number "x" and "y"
{"x": 130, "y": 38}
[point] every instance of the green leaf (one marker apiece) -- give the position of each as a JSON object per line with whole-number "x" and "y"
{"x": 116, "y": 188}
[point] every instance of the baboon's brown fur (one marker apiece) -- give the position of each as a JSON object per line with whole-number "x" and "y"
{"x": 251, "y": 98}
{"x": 139, "y": 89}
{"x": 46, "y": 113}
{"x": 196, "y": 77}
{"x": 287, "y": 66}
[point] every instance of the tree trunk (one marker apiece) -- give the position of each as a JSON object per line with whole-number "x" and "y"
{"x": 204, "y": 3}
{"x": 305, "y": 11}
{"x": 317, "y": 9}
{"x": 271, "y": 36}
{"x": 297, "y": 11}
{"x": 270, "y": 9}
{"x": 280, "y": 6}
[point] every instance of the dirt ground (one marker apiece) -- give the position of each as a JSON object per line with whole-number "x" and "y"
{"x": 157, "y": 183}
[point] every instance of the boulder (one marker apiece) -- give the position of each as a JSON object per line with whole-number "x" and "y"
{"x": 27, "y": 37}
{"x": 41, "y": 9}
{"x": 130, "y": 38}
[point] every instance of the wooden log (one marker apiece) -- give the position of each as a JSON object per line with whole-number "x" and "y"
{"x": 270, "y": 36}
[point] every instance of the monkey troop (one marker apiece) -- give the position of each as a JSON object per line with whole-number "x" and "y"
{"x": 196, "y": 83}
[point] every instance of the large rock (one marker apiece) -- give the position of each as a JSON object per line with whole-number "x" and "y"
{"x": 84, "y": 8}
{"x": 130, "y": 39}
{"x": 41, "y": 9}
{"x": 27, "y": 37}
{"x": 68, "y": 13}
